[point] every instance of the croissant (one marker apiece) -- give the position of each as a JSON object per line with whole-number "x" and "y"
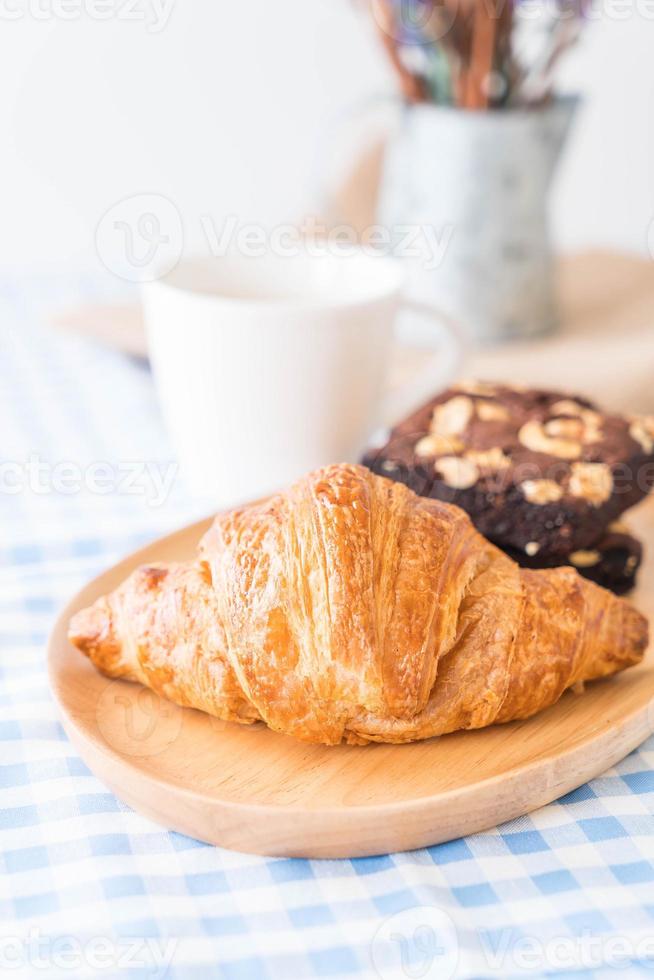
{"x": 350, "y": 609}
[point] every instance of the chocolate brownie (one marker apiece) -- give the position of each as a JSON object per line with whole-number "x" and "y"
{"x": 532, "y": 468}
{"x": 612, "y": 562}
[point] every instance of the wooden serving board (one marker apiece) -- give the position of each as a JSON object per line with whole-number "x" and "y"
{"x": 249, "y": 789}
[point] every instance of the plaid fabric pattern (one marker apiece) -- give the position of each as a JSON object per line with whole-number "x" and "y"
{"x": 90, "y": 888}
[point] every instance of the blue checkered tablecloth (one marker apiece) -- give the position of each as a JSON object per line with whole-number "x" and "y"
{"x": 90, "y": 888}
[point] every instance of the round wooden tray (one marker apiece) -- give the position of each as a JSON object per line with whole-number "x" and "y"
{"x": 250, "y": 789}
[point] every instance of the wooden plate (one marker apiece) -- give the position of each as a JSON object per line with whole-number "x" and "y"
{"x": 250, "y": 789}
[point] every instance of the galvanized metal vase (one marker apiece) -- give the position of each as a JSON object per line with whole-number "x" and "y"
{"x": 479, "y": 182}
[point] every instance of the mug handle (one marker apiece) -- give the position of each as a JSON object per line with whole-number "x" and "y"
{"x": 442, "y": 365}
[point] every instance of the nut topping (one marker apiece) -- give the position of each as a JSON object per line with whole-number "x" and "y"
{"x": 567, "y": 407}
{"x": 585, "y": 559}
{"x": 452, "y": 417}
{"x": 489, "y": 459}
{"x": 641, "y": 431}
{"x": 489, "y": 411}
{"x": 566, "y": 428}
{"x": 532, "y": 548}
{"x": 592, "y": 481}
{"x": 533, "y": 436}
{"x": 592, "y": 433}
{"x": 435, "y": 445}
{"x": 456, "y": 472}
{"x": 592, "y": 420}
{"x": 541, "y": 491}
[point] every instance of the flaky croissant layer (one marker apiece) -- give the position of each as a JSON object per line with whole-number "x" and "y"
{"x": 348, "y": 608}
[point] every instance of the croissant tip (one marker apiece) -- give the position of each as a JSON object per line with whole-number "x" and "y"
{"x": 85, "y": 627}
{"x": 92, "y": 631}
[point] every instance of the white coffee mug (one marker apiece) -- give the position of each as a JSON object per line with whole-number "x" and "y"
{"x": 270, "y": 367}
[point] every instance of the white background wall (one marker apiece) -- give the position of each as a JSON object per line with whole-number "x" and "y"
{"x": 226, "y": 108}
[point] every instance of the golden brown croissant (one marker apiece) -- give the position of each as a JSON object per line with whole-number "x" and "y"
{"x": 351, "y": 609}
